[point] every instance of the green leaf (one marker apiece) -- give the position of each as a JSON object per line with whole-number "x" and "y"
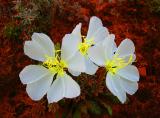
{"x": 83, "y": 108}
{"x": 11, "y": 31}
{"x": 109, "y": 109}
{"x": 58, "y": 46}
{"x": 77, "y": 114}
{"x": 94, "y": 108}
{"x": 64, "y": 114}
{"x": 112, "y": 98}
{"x": 57, "y": 115}
{"x": 62, "y": 102}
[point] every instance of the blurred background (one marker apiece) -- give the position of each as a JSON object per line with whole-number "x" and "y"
{"x": 138, "y": 20}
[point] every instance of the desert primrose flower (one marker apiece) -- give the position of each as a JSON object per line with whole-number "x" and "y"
{"x": 39, "y": 78}
{"x": 96, "y": 33}
{"x": 121, "y": 76}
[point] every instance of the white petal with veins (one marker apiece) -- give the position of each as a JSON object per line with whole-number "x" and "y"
{"x": 77, "y": 62}
{"x": 74, "y": 73}
{"x": 33, "y": 73}
{"x": 129, "y": 86}
{"x": 97, "y": 54}
{"x": 45, "y": 42}
{"x": 69, "y": 46}
{"x": 39, "y": 88}
{"x": 94, "y": 23}
{"x": 91, "y": 68}
{"x": 125, "y": 48}
{"x": 100, "y": 34}
{"x": 130, "y": 73}
{"x": 109, "y": 47}
{"x": 40, "y": 46}
{"x": 63, "y": 87}
{"x": 113, "y": 84}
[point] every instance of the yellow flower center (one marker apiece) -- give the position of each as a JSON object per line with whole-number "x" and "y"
{"x": 117, "y": 63}
{"x": 55, "y": 64}
{"x": 85, "y": 45}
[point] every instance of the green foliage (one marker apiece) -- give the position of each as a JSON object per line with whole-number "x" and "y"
{"x": 62, "y": 102}
{"x": 94, "y": 108}
{"x": 77, "y": 114}
{"x": 106, "y": 106}
{"x": 154, "y": 5}
{"x": 57, "y": 46}
{"x": 109, "y": 109}
{"x": 111, "y": 98}
{"x": 25, "y": 12}
{"x": 35, "y": 15}
{"x": 12, "y": 32}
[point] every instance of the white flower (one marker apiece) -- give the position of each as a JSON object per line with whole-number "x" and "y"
{"x": 39, "y": 78}
{"x": 122, "y": 77}
{"x": 96, "y": 33}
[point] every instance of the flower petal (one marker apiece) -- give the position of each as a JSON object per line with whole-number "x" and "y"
{"x": 77, "y": 62}
{"x": 69, "y": 46}
{"x": 91, "y": 68}
{"x": 77, "y": 30}
{"x": 125, "y": 48}
{"x": 72, "y": 89}
{"x": 74, "y": 73}
{"x": 97, "y": 54}
{"x": 112, "y": 82}
{"x": 56, "y": 91}
{"x": 39, "y": 88}
{"x": 110, "y": 47}
{"x": 129, "y": 86}
{"x": 110, "y": 37}
{"x": 34, "y": 50}
{"x": 40, "y": 46}
{"x": 45, "y": 42}
{"x": 103, "y": 51}
{"x": 33, "y": 73}
{"x": 100, "y": 34}
{"x": 94, "y": 24}
{"x": 130, "y": 73}
{"x": 63, "y": 87}
{"x": 127, "y": 58}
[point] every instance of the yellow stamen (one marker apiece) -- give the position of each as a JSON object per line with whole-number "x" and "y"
{"x": 55, "y": 64}
{"x": 117, "y": 63}
{"x": 85, "y": 45}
